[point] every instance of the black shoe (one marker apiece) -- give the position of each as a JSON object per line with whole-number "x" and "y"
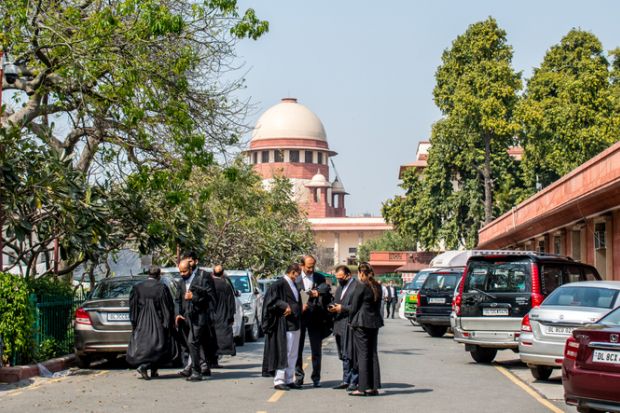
{"x": 316, "y": 384}
{"x": 142, "y": 370}
{"x": 299, "y": 382}
{"x": 206, "y": 372}
{"x": 352, "y": 387}
{"x": 194, "y": 377}
{"x": 341, "y": 386}
{"x": 154, "y": 373}
{"x": 281, "y": 387}
{"x": 294, "y": 386}
{"x": 185, "y": 373}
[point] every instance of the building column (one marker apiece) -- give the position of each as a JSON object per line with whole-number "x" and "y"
{"x": 589, "y": 242}
{"x": 336, "y": 248}
{"x": 615, "y": 245}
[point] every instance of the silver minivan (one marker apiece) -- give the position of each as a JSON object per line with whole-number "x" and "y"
{"x": 545, "y": 329}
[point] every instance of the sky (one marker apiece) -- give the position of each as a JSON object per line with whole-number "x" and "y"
{"x": 367, "y": 69}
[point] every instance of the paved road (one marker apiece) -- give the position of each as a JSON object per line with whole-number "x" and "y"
{"x": 418, "y": 372}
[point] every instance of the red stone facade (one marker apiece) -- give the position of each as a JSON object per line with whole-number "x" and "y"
{"x": 578, "y": 216}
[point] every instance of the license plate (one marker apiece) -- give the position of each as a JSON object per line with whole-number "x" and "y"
{"x": 494, "y": 311}
{"x": 118, "y": 316}
{"x": 560, "y": 331}
{"x": 435, "y": 300}
{"x": 602, "y": 356}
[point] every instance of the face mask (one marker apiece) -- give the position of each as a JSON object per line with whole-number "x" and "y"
{"x": 342, "y": 282}
{"x": 218, "y": 274}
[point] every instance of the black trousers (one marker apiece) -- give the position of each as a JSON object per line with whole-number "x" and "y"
{"x": 366, "y": 357}
{"x": 316, "y": 344}
{"x": 193, "y": 335}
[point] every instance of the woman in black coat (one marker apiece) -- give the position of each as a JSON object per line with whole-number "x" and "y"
{"x": 365, "y": 320}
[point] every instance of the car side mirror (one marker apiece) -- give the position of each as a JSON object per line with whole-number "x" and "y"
{"x": 237, "y": 293}
{"x": 256, "y": 291}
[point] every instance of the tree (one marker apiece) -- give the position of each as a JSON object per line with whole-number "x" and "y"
{"x": 470, "y": 178}
{"x": 389, "y": 241}
{"x": 108, "y": 93}
{"x": 568, "y": 112}
{"x": 477, "y": 88}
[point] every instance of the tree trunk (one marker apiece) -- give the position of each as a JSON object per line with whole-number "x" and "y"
{"x": 488, "y": 182}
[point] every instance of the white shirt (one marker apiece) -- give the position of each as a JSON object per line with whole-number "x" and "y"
{"x": 346, "y": 287}
{"x": 189, "y": 280}
{"x": 308, "y": 281}
{"x": 293, "y": 287}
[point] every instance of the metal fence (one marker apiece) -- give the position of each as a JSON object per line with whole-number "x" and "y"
{"x": 53, "y": 327}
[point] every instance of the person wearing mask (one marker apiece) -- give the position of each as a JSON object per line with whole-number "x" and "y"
{"x": 224, "y": 314}
{"x": 340, "y": 308}
{"x": 192, "y": 316}
{"x": 281, "y": 322}
{"x": 316, "y": 321}
{"x": 151, "y": 311}
{"x": 365, "y": 320}
{"x": 208, "y": 348}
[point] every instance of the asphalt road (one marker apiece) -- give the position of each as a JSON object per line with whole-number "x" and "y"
{"x": 418, "y": 372}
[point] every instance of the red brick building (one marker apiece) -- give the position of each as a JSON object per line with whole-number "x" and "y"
{"x": 578, "y": 215}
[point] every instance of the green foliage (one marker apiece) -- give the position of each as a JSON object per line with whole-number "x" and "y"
{"x": 569, "y": 112}
{"x": 51, "y": 289}
{"x": 48, "y": 349}
{"x": 15, "y": 315}
{"x": 389, "y": 241}
{"x": 470, "y": 178}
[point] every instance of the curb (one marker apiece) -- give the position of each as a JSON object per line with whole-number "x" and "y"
{"x": 17, "y": 373}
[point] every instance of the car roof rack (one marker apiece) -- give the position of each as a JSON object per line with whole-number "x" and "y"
{"x": 518, "y": 252}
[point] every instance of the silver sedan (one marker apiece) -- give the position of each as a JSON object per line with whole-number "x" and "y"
{"x": 545, "y": 329}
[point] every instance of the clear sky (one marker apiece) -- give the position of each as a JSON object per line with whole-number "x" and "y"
{"x": 367, "y": 69}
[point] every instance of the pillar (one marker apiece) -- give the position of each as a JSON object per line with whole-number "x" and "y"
{"x": 336, "y": 248}
{"x": 615, "y": 245}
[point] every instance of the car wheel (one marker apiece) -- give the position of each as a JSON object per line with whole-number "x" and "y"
{"x": 483, "y": 355}
{"x": 584, "y": 409}
{"x": 541, "y": 372}
{"x": 240, "y": 340}
{"x": 83, "y": 361}
{"x": 436, "y": 331}
{"x": 253, "y": 332}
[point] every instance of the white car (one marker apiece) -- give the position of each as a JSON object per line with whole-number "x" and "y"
{"x": 251, "y": 299}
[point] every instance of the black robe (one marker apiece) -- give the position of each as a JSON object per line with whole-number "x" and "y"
{"x": 273, "y": 323}
{"x": 224, "y": 316}
{"x": 151, "y": 310}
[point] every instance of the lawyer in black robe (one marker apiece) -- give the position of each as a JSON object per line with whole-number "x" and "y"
{"x": 151, "y": 311}
{"x": 277, "y": 326}
{"x": 224, "y": 313}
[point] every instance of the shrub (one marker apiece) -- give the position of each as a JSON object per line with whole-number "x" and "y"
{"x": 15, "y": 316}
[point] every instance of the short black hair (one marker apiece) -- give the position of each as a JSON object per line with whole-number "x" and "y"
{"x": 154, "y": 271}
{"x": 293, "y": 267}
{"x": 346, "y": 270}
{"x": 189, "y": 254}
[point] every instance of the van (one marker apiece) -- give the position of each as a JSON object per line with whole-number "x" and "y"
{"x": 499, "y": 288}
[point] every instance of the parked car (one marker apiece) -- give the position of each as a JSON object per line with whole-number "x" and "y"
{"x": 264, "y": 283}
{"x": 411, "y": 289}
{"x": 251, "y": 299}
{"x": 545, "y": 329}
{"x": 435, "y": 301}
{"x": 591, "y": 367}
{"x": 499, "y": 288}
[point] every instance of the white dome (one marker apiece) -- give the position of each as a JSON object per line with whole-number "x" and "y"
{"x": 318, "y": 181}
{"x": 289, "y": 119}
{"x": 337, "y": 187}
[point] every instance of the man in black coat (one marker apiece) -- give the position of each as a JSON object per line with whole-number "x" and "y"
{"x": 192, "y": 314}
{"x": 340, "y": 309}
{"x": 315, "y": 319}
{"x": 281, "y": 322}
{"x": 151, "y": 311}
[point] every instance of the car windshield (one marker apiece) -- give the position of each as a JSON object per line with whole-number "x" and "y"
{"x": 499, "y": 276}
{"x": 418, "y": 281}
{"x": 441, "y": 282}
{"x": 611, "y": 319}
{"x": 578, "y": 296}
{"x": 114, "y": 288}
{"x": 241, "y": 283}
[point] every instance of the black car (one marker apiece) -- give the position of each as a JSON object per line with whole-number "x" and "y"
{"x": 499, "y": 288}
{"x": 435, "y": 301}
